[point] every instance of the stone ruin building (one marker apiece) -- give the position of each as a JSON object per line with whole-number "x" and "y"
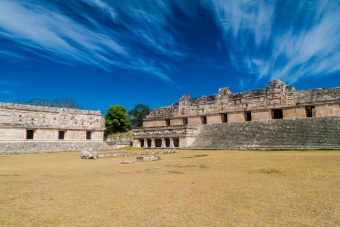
{"x": 27, "y": 129}
{"x": 277, "y": 116}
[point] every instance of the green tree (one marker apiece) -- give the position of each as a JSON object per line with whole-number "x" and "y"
{"x": 137, "y": 114}
{"x": 116, "y": 120}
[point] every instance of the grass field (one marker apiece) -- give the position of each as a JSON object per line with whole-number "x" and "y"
{"x": 189, "y": 188}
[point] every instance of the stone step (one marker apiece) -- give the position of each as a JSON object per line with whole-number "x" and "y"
{"x": 319, "y": 132}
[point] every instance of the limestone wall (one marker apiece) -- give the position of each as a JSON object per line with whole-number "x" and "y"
{"x": 168, "y": 132}
{"x": 12, "y": 134}
{"x": 185, "y": 134}
{"x": 214, "y": 119}
{"x": 27, "y": 147}
{"x": 319, "y": 132}
{"x": 46, "y": 122}
{"x": 154, "y": 123}
{"x": 123, "y": 139}
{"x": 195, "y": 120}
{"x": 261, "y": 103}
{"x": 26, "y": 116}
{"x": 294, "y": 112}
{"x": 177, "y": 121}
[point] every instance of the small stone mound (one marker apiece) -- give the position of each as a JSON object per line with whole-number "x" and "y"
{"x": 148, "y": 158}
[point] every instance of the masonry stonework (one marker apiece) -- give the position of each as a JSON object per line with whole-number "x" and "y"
{"x": 25, "y": 128}
{"x": 277, "y": 104}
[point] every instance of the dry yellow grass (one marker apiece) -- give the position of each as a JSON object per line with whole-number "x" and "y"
{"x": 224, "y": 188}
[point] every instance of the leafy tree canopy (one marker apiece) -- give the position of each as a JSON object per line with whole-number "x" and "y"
{"x": 116, "y": 120}
{"x": 137, "y": 114}
{"x": 63, "y": 103}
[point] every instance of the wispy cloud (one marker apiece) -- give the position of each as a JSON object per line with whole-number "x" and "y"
{"x": 274, "y": 40}
{"x": 267, "y": 39}
{"x": 6, "y": 92}
{"x": 107, "y": 40}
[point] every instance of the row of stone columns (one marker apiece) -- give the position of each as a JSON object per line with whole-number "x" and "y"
{"x": 163, "y": 142}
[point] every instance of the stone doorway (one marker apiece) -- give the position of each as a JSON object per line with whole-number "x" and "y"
{"x": 176, "y": 142}
{"x": 277, "y": 114}
{"x": 158, "y": 142}
{"x": 167, "y": 142}
{"x": 29, "y": 134}
{"x": 310, "y": 111}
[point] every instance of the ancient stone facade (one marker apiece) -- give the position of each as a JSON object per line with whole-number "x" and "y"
{"x": 275, "y": 102}
{"x": 25, "y": 126}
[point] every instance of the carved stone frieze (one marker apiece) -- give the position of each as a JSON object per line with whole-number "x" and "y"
{"x": 17, "y": 115}
{"x": 276, "y": 94}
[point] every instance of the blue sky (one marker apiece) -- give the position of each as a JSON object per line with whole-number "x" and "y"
{"x": 105, "y": 52}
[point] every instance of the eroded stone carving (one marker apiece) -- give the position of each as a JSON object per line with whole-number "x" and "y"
{"x": 277, "y": 93}
{"x": 18, "y": 115}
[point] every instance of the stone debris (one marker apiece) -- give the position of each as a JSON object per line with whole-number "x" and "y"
{"x": 148, "y": 153}
{"x": 88, "y": 154}
{"x": 148, "y": 158}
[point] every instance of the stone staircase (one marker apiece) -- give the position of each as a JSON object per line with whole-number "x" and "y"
{"x": 318, "y": 132}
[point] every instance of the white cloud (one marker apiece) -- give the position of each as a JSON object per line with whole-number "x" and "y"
{"x": 39, "y": 28}
{"x": 103, "y": 6}
{"x": 279, "y": 49}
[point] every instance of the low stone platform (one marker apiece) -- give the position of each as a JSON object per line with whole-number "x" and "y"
{"x": 29, "y": 147}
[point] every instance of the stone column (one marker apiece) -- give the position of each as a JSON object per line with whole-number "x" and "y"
{"x": 138, "y": 143}
{"x": 153, "y": 142}
{"x": 145, "y": 143}
{"x": 163, "y": 142}
{"x": 171, "y": 142}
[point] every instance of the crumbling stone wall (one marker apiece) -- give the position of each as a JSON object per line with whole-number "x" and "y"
{"x": 121, "y": 139}
{"x": 282, "y": 133}
{"x": 276, "y": 116}
{"x": 277, "y": 95}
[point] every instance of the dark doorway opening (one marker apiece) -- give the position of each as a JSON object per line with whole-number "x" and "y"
{"x": 158, "y": 142}
{"x": 167, "y": 122}
{"x": 277, "y": 114}
{"x": 167, "y": 142}
{"x": 88, "y": 135}
{"x": 224, "y": 118}
{"x": 176, "y": 142}
{"x": 310, "y": 111}
{"x": 185, "y": 121}
{"x": 247, "y": 116}
{"x": 141, "y": 143}
{"x": 29, "y": 134}
{"x": 61, "y": 135}
{"x": 204, "y": 120}
{"x": 149, "y": 142}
